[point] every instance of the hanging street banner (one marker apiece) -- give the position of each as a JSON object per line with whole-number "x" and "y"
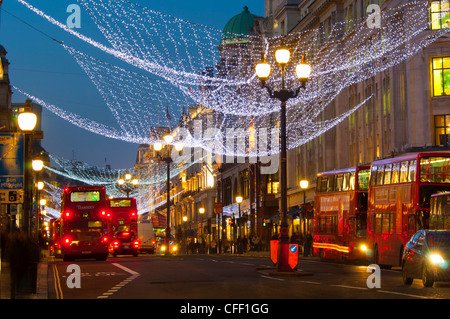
{"x": 11, "y": 167}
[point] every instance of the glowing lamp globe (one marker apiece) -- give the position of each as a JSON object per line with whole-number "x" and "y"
{"x": 304, "y": 184}
{"x": 168, "y": 138}
{"x": 282, "y": 55}
{"x": 157, "y": 146}
{"x": 37, "y": 165}
{"x": 178, "y": 147}
{"x": 27, "y": 121}
{"x": 263, "y": 70}
{"x": 303, "y": 70}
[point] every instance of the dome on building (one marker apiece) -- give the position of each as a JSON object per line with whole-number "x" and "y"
{"x": 237, "y": 28}
{"x": 2, "y": 49}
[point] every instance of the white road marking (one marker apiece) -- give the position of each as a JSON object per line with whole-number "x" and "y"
{"x": 124, "y": 282}
{"x": 272, "y": 278}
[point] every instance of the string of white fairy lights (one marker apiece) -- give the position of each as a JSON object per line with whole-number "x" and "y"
{"x": 179, "y": 55}
{"x": 178, "y": 62}
{"x": 154, "y": 178}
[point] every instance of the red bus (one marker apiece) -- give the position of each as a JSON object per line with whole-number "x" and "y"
{"x": 399, "y": 201}
{"x": 123, "y": 215}
{"x": 340, "y": 213}
{"x": 84, "y": 223}
{"x": 123, "y": 226}
{"x": 440, "y": 211}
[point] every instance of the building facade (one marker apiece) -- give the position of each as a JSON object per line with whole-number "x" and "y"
{"x": 409, "y": 111}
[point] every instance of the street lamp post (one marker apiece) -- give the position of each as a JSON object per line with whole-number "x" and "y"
{"x": 201, "y": 210}
{"x": 304, "y": 185}
{"x": 303, "y": 70}
{"x": 239, "y": 200}
{"x": 37, "y": 166}
{"x": 239, "y": 244}
{"x": 166, "y": 157}
{"x": 128, "y": 183}
{"x": 27, "y": 122}
{"x": 185, "y": 234}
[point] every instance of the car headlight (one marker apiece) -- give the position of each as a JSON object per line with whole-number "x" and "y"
{"x": 174, "y": 248}
{"x": 163, "y": 248}
{"x": 437, "y": 259}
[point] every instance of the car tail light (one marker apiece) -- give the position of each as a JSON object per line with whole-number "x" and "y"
{"x": 116, "y": 244}
{"x": 67, "y": 241}
{"x": 104, "y": 239}
{"x": 136, "y": 244}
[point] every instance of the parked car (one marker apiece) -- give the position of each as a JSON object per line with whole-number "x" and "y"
{"x": 124, "y": 243}
{"x": 427, "y": 256}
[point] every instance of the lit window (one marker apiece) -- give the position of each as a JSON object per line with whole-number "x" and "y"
{"x": 441, "y": 76}
{"x": 440, "y": 14}
{"x": 442, "y": 129}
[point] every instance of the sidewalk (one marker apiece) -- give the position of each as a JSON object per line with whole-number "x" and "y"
{"x": 41, "y": 282}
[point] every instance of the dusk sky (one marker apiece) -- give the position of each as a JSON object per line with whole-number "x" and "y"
{"x": 42, "y": 68}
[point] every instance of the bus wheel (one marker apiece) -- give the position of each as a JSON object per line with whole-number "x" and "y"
{"x": 427, "y": 277}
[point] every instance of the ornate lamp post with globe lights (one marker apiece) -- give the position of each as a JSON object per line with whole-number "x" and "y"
{"x": 128, "y": 183}
{"x": 163, "y": 152}
{"x": 303, "y": 70}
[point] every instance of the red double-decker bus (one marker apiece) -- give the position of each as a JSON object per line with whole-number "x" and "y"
{"x": 340, "y": 213}
{"x": 124, "y": 215}
{"x": 399, "y": 201}
{"x": 84, "y": 223}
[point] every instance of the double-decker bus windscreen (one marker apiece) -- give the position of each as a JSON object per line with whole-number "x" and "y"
{"x": 85, "y": 196}
{"x": 435, "y": 170}
{"x": 120, "y": 203}
{"x": 363, "y": 179}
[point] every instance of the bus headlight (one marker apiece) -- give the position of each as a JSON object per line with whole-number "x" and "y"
{"x": 363, "y": 247}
